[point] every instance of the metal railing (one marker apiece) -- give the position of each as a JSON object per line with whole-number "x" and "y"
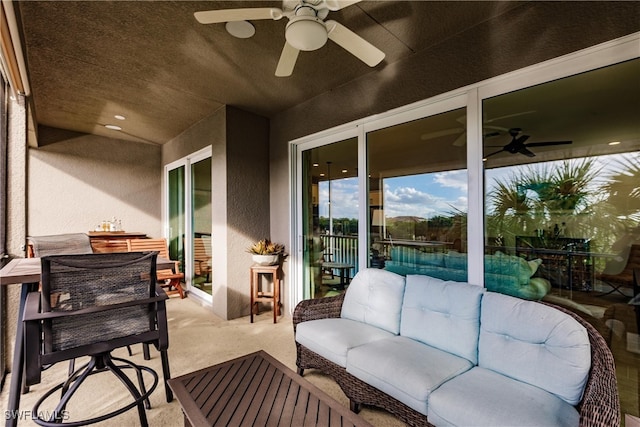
{"x": 341, "y": 249}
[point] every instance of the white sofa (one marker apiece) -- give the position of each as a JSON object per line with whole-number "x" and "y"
{"x": 446, "y": 353}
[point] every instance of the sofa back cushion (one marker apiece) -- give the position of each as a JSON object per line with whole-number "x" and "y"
{"x": 535, "y": 344}
{"x": 442, "y": 314}
{"x": 510, "y": 265}
{"x": 375, "y": 297}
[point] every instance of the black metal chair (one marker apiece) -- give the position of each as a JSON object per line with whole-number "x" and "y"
{"x": 90, "y": 305}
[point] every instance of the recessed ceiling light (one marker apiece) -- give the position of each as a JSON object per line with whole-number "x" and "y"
{"x": 315, "y": 165}
{"x": 614, "y": 143}
{"x": 113, "y": 127}
{"x": 344, "y": 171}
{"x": 240, "y": 29}
{"x": 119, "y": 117}
{"x": 322, "y": 174}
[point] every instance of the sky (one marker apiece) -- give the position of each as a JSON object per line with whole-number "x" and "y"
{"x": 424, "y": 195}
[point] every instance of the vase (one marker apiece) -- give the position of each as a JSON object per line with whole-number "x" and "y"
{"x": 270, "y": 259}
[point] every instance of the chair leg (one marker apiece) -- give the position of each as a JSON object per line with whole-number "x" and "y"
{"x": 166, "y": 374}
{"x": 69, "y": 387}
{"x": 614, "y": 288}
{"x": 140, "y": 398}
{"x": 98, "y": 364}
{"x": 178, "y": 286}
{"x": 145, "y": 351}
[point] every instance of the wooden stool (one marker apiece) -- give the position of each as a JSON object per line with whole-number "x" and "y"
{"x": 258, "y": 296}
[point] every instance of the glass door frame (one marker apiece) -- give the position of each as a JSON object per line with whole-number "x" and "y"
{"x": 185, "y": 162}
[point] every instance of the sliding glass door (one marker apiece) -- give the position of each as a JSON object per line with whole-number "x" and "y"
{"x": 188, "y": 219}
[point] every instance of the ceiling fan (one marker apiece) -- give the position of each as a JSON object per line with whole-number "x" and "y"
{"x": 306, "y": 30}
{"x": 517, "y": 144}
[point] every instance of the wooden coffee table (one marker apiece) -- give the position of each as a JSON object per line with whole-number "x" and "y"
{"x": 256, "y": 390}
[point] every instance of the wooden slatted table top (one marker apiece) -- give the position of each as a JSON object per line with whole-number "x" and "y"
{"x": 257, "y": 390}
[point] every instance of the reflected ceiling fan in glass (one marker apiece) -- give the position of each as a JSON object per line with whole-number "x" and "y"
{"x": 517, "y": 144}
{"x": 489, "y": 130}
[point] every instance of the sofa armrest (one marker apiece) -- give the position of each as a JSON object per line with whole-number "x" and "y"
{"x": 600, "y": 404}
{"x": 320, "y": 308}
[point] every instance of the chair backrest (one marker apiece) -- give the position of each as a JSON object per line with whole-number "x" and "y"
{"x": 60, "y": 244}
{"x": 159, "y": 245}
{"x": 633, "y": 262}
{"x": 102, "y": 290}
{"x": 202, "y": 254}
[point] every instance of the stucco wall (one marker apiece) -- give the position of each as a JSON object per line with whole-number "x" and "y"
{"x": 247, "y": 200}
{"x": 240, "y": 197}
{"x": 16, "y": 213}
{"x": 75, "y": 184}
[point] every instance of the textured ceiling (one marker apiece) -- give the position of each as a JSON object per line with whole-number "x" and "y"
{"x": 153, "y": 63}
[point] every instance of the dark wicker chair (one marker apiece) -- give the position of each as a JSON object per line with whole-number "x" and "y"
{"x": 624, "y": 278}
{"x": 600, "y": 405}
{"x": 90, "y": 305}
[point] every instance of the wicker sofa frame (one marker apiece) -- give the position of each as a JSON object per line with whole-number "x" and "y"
{"x": 600, "y": 405}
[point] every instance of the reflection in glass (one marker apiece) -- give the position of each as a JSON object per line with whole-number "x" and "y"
{"x": 176, "y": 207}
{"x": 562, "y": 220}
{"x": 330, "y": 217}
{"x": 418, "y": 197}
{"x": 201, "y": 220}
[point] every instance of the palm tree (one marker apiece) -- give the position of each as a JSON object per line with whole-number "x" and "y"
{"x": 588, "y": 199}
{"x": 536, "y": 198}
{"x": 623, "y": 187}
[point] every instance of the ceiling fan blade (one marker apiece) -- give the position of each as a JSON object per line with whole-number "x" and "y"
{"x": 494, "y": 153}
{"x": 526, "y": 152}
{"x": 354, "y": 44}
{"x": 548, "y": 143}
{"x": 229, "y": 15}
{"x": 440, "y": 133}
{"x": 520, "y": 140}
{"x": 334, "y": 5}
{"x": 508, "y": 116}
{"x": 461, "y": 140}
{"x": 287, "y": 61}
{"x": 491, "y": 134}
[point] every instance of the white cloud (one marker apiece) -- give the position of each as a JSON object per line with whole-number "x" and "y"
{"x": 453, "y": 179}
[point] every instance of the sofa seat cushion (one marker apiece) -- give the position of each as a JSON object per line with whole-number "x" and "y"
{"x": 405, "y": 369}
{"x": 535, "y": 344}
{"x": 442, "y": 314}
{"x": 375, "y": 297}
{"x": 332, "y": 338}
{"x": 493, "y": 400}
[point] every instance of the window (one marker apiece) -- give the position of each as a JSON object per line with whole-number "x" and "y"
{"x": 418, "y": 196}
{"x": 562, "y": 179}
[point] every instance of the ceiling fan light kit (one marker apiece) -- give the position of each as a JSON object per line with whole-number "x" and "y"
{"x": 306, "y": 29}
{"x": 306, "y": 33}
{"x": 240, "y": 29}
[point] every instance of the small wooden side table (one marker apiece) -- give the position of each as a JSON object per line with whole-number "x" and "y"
{"x": 257, "y": 295}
